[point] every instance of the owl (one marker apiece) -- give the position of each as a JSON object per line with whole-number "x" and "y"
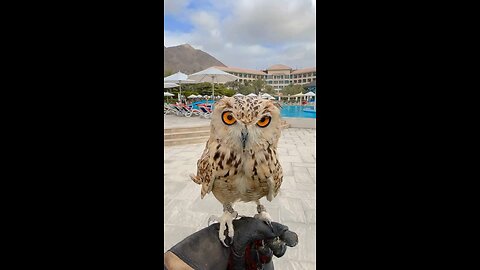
{"x": 240, "y": 161}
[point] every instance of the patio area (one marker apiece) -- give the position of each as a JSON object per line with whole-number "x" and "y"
{"x": 295, "y": 205}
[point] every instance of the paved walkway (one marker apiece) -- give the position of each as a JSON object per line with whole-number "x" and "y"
{"x": 185, "y": 213}
{"x": 174, "y": 121}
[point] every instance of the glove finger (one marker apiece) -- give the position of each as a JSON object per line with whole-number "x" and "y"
{"x": 253, "y": 229}
{"x": 290, "y": 238}
{"x": 277, "y": 246}
{"x": 279, "y": 229}
{"x": 265, "y": 254}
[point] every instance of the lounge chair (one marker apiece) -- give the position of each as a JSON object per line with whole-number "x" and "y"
{"x": 206, "y": 112}
{"x": 184, "y": 111}
{"x": 168, "y": 109}
{"x": 191, "y": 110}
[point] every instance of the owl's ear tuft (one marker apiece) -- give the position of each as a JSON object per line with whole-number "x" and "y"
{"x": 223, "y": 103}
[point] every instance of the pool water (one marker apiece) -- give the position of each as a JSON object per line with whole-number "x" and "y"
{"x": 287, "y": 111}
{"x": 195, "y": 104}
{"x": 298, "y": 112}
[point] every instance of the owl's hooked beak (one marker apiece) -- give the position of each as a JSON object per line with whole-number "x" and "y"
{"x": 244, "y": 137}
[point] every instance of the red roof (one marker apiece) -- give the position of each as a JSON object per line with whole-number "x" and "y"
{"x": 305, "y": 70}
{"x": 241, "y": 70}
{"x": 278, "y": 67}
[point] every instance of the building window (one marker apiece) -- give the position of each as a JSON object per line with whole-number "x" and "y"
{"x": 309, "y": 80}
{"x": 304, "y": 80}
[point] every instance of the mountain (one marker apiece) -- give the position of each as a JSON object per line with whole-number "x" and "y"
{"x": 186, "y": 59}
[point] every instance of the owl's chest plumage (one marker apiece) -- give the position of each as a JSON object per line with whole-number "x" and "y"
{"x": 243, "y": 176}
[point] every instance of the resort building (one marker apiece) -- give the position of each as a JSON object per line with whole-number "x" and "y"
{"x": 278, "y": 76}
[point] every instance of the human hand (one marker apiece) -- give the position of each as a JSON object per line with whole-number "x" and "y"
{"x": 254, "y": 244}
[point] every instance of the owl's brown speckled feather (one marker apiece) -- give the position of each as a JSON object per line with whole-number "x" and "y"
{"x": 237, "y": 172}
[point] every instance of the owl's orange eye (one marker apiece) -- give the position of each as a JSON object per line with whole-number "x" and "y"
{"x": 264, "y": 121}
{"x": 228, "y": 118}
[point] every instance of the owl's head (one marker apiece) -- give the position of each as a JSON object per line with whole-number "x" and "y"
{"x": 246, "y": 122}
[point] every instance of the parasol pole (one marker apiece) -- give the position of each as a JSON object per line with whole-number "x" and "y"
{"x": 180, "y": 94}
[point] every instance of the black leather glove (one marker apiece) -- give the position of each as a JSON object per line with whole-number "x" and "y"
{"x": 254, "y": 244}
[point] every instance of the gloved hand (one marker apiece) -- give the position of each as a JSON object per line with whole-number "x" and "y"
{"x": 254, "y": 244}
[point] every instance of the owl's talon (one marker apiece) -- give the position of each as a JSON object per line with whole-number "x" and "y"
{"x": 223, "y": 242}
{"x": 263, "y": 215}
{"x": 269, "y": 223}
{"x": 226, "y": 224}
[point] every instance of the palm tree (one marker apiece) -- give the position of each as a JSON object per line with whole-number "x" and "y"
{"x": 258, "y": 85}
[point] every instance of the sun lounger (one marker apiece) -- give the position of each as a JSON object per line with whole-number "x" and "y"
{"x": 184, "y": 111}
{"x": 206, "y": 112}
{"x": 169, "y": 109}
{"x": 192, "y": 111}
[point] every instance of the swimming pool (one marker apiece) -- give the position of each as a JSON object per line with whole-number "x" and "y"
{"x": 287, "y": 111}
{"x": 298, "y": 112}
{"x": 195, "y": 104}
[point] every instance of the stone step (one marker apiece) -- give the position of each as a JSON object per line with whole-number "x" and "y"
{"x": 184, "y": 130}
{"x": 180, "y": 141}
{"x": 189, "y": 134}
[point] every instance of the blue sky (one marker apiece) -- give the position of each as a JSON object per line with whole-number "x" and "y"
{"x": 245, "y": 33}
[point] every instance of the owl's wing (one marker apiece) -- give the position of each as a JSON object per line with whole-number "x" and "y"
{"x": 204, "y": 172}
{"x": 277, "y": 176}
{"x": 269, "y": 170}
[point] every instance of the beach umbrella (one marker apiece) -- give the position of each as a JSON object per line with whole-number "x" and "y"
{"x": 212, "y": 75}
{"x": 266, "y": 96}
{"x": 311, "y": 94}
{"x": 169, "y": 85}
{"x": 192, "y": 96}
{"x": 198, "y": 96}
{"x": 238, "y": 95}
{"x": 179, "y": 78}
{"x": 251, "y": 95}
{"x": 167, "y": 94}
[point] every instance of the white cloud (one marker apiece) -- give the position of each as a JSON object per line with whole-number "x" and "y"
{"x": 174, "y": 6}
{"x": 253, "y": 33}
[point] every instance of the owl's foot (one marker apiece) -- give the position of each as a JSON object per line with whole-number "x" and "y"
{"x": 226, "y": 222}
{"x": 263, "y": 215}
